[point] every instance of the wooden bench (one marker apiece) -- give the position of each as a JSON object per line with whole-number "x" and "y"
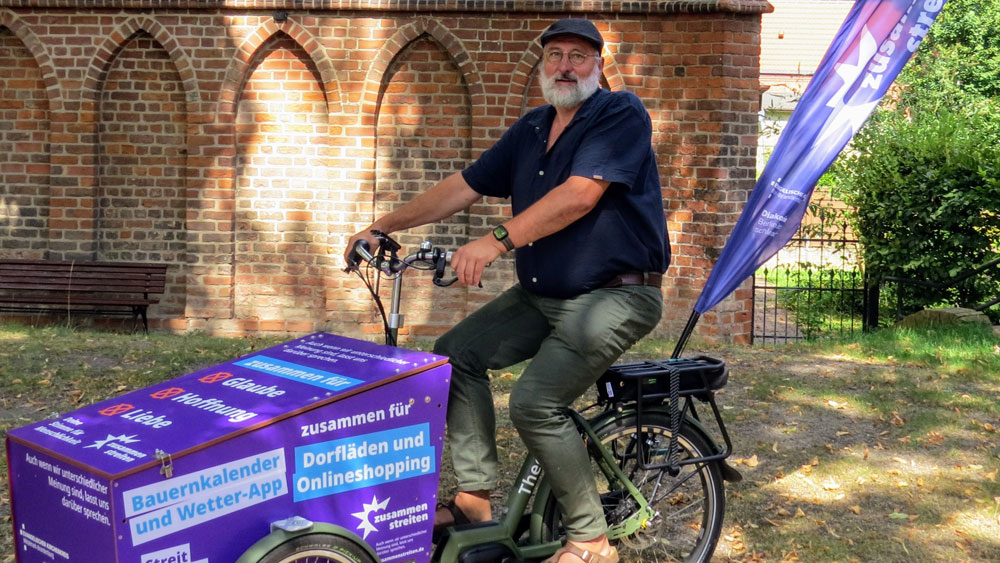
{"x": 96, "y": 288}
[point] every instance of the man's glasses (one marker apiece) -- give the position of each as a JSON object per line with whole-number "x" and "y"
{"x": 576, "y": 58}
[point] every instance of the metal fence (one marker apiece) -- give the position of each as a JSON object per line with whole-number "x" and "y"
{"x": 813, "y": 287}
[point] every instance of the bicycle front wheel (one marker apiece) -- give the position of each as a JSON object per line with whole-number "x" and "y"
{"x": 688, "y": 508}
{"x": 317, "y": 548}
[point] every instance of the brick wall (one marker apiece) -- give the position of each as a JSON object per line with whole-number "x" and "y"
{"x": 141, "y": 196}
{"x": 24, "y": 151}
{"x": 423, "y": 134}
{"x": 281, "y": 187}
{"x": 244, "y": 151}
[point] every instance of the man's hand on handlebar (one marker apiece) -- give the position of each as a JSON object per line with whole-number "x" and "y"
{"x": 350, "y": 258}
{"x": 469, "y": 260}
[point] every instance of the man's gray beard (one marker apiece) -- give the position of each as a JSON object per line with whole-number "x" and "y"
{"x": 584, "y": 88}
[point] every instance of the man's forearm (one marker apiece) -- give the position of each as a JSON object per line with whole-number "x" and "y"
{"x": 556, "y": 210}
{"x": 447, "y": 197}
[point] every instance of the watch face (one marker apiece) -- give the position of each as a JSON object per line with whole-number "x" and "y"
{"x": 500, "y": 232}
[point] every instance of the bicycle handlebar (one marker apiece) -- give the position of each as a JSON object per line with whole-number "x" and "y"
{"x": 393, "y": 265}
{"x": 360, "y": 251}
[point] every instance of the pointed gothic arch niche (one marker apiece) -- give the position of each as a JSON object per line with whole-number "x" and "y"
{"x": 141, "y": 162}
{"x": 423, "y": 134}
{"x": 282, "y": 200}
{"x": 24, "y": 151}
{"x": 423, "y": 131}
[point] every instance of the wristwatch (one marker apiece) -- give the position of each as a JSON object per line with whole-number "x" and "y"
{"x": 500, "y": 233}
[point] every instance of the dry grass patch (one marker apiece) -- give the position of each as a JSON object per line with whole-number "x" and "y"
{"x": 880, "y": 449}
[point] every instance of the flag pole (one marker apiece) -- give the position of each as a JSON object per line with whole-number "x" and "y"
{"x": 685, "y": 334}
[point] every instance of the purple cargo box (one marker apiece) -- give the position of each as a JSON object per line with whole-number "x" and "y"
{"x": 195, "y": 469}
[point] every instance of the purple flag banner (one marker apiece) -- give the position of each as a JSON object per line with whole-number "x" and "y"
{"x": 877, "y": 38}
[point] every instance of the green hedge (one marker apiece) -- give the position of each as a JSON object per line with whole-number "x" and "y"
{"x": 923, "y": 176}
{"x": 925, "y": 190}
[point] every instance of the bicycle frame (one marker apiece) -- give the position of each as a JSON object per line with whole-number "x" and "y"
{"x": 505, "y": 531}
{"x": 661, "y": 388}
{"x": 501, "y": 533}
{"x": 609, "y": 466}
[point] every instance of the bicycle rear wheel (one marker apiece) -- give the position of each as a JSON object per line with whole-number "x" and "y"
{"x": 689, "y": 508}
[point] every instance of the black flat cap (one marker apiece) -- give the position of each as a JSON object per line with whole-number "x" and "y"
{"x": 576, "y": 27}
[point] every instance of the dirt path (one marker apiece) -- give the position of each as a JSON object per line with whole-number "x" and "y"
{"x": 773, "y": 324}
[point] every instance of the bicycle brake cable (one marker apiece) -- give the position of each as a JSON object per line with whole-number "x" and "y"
{"x": 373, "y": 290}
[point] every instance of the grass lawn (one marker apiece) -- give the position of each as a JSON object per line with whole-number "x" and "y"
{"x": 881, "y": 448}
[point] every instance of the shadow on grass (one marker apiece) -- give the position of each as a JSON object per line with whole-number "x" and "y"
{"x": 879, "y": 450}
{"x": 857, "y": 455}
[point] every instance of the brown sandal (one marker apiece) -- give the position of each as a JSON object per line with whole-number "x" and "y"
{"x": 458, "y": 519}
{"x": 585, "y": 555}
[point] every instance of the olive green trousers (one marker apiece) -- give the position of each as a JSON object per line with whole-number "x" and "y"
{"x": 570, "y": 342}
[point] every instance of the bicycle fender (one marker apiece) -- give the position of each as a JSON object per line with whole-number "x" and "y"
{"x": 538, "y": 510}
{"x": 269, "y": 542}
{"x": 603, "y": 419}
{"x": 729, "y": 473}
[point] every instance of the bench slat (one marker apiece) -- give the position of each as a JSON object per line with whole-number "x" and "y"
{"x": 64, "y": 281}
{"x": 134, "y": 274}
{"x": 17, "y": 269}
{"x": 84, "y": 287}
{"x": 76, "y": 300}
{"x": 80, "y": 264}
{"x": 70, "y": 284}
{"x": 14, "y": 276}
{"x": 102, "y": 286}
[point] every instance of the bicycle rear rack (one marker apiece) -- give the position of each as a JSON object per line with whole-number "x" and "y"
{"x": 649, "y": 383}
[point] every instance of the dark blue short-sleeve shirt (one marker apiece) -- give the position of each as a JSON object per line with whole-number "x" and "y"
{"x": 608, "y": 139}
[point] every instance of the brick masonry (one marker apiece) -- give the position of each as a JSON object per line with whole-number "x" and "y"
{"x": 243, "y": 149}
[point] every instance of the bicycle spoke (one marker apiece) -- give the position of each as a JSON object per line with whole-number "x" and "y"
{"x": 687, "y": 508}
{"x": 677, "y": 485}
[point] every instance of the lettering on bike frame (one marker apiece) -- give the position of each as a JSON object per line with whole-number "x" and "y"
{"x": 528, "y": 483}
{"x": 195, "y": 469}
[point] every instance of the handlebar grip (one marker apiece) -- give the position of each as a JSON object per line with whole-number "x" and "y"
{"x": 360, "y": 250}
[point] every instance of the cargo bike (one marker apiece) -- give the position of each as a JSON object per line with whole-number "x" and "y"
{"x": 328, "y": 449}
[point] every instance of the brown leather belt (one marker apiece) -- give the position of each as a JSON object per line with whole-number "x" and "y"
{"x": 636, "y": 278}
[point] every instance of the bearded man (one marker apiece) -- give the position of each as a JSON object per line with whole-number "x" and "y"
{"x": 591, "y": 247}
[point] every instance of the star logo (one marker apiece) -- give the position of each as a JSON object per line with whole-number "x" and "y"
{"x": 848, "y": 111}
{"x": 366, "y": 526}
{"x": 120, "y": 438}
{"x": 850, "y": 73}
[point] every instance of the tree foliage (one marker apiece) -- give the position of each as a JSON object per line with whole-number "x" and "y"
{"x": 959, "y": 60}
{"x": 923, "y": 176}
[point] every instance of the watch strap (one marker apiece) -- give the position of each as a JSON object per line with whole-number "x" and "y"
{"x": 500, "y": 233}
